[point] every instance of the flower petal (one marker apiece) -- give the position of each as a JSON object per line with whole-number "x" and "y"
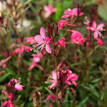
{"x": 42, "y": 32}
{"x": 48, "y": 49}
{"x": 100, "y": 26}
{"x": 38, "y": 39}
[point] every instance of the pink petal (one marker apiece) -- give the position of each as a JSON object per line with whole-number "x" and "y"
{"x": 36, "y": 58}
{"x": 53, "y": 9}
{"x": 4, "y": 103}
{"x": 27, "y": 48}
{"x": 53, "y": 85}
{"x": 99, "y": 42}
{"x": 46, "y": 8}
{"x": 65, "y": 16}
{"x": 54, "y": 75}
{"x": 67, "y": 82}
{"x": 49, "y": 6}
{"x": 9, "y": 104}
{"x": 74, "y": 83}
{"x": 19, "y": 87}
{"x": 47, "y": 14}
{"x": 31, "y": 66}
{"x": 95, "y": 35}
{"x": 42, "y": 32}
{"x": 48, "y": 49}
{"x": 100, "y": 26}
{"x": 39, "y": 39}
{"x": 94, "y": 25}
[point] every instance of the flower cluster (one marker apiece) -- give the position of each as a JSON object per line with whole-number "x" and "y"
{"x": 49, "y": 10}
{"x": 13, "y": 83}
{"x": 8, "y": 103}
{"x": 65, "y": 76}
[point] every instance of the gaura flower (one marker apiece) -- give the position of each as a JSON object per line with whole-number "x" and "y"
{"x": 8, "y": 103}
{"x": 36, "y": 58}
{"x": 49, "y": 10}
{"x": 95, "y": 29}
{"x": 76, "y": 38}
{"x": 51, "y": 97}
{"x": 71, "y": 77}
{"x": 15, "y": 84}
{"x": 61, "y": 42}
{"x": 43, "y": 41}
{"x": 54, "y": 80}
{"x": 61, "y": 23}
{"x": 21, "y": 49}
{"x": 72, "y": 13}
{"x": 65, "y": 76}
{"x": 30, "y": 40}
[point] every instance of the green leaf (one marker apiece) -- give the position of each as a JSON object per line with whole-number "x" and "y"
{"x": 5, "y": 76}
{"x": 59, "y": 11}
{"x": 82, "y": 102}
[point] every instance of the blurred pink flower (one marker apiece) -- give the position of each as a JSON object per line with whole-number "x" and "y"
{"x": 43, "y": 41}
{"x": 61, "y": 42}
{"x": 51, "y": 97}
{"x": 9, "y": 102}
{"x": 14, "y": 83}
{"x": 30, "y": 40}
{"x": 49, "y": 10}
{"x": 18, "y": 87}
{"x": 76, "y": 38}
{"x": 36, "y": 58}
{"x": 54, "y": 80}
{"x": 71, "y": 77}
{"x": 96, "y": 29}
{"x": 61, "y": 23}
{"x": 72, "y": 13}
{"x": 99, "y": 42}
{"x": 21, "y": 49}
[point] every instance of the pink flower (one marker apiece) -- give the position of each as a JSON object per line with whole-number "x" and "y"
{"x": 71, "y": 77}
{"x": 68, "y": 77}
{"x": 54, "y": 80}
{"x": 76, "y": 38}
{"x": 30, "y": 40}
{"x": 96, "y": 29}
{"x": 43, "y": 41}
{"x": 9, "y": 102}
{"x": 51, "y": 97}
{"x": 14, "y": 83}
{"x": 18, "y": 87}
{"x": 61, "y": 42}
{"x": 36, "y": 58}
{"x": 49, "y": 10}
{"x": 72, "y": 13}
{"x": 21, "y": 49}
{"x": 61, "y": 23}
{"x": 99, "y": 42}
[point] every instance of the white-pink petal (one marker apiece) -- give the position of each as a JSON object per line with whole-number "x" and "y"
{"x": 100, "y": 26}
{"x": 48, "y": 49}
{"x": 38, "y": 39}
{"x": 95, "y": 35}
{"x": 42, "y": 32}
